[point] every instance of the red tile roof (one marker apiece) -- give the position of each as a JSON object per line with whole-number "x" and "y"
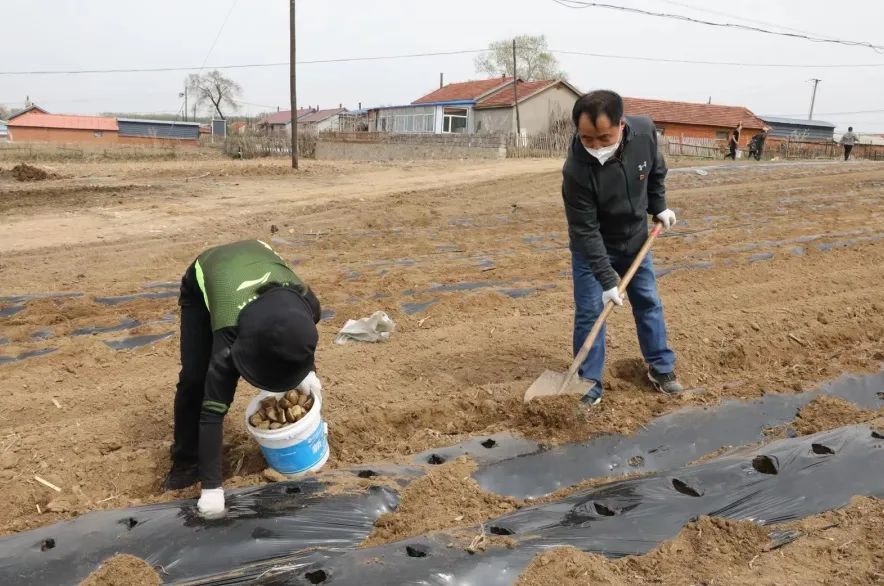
{"x": 319, "y": 115}
{"x": 34, "y": 108}
{"x": 38, "y": 120}
{"x": 504, "y": 96}
{"x": 689, "y": 113}
{"x": 465, "y": 90}
{"x": 284, "y": 116}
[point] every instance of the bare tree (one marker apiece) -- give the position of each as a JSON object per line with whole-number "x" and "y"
{"x": 214, "y": 88}
{"x": 4, "y": 113}
{"x": 535, "y": 61}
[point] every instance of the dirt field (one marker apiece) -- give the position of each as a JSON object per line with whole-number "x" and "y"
{"x": 772, "y": 282}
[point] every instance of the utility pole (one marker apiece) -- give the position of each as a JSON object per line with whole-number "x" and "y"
{"x": 813, "y": 97}
{"x": 441, "y": 80}
{"x": 293, "y": 84}
{"x": 516, "y": 93}
{"x": 185, "y": 103}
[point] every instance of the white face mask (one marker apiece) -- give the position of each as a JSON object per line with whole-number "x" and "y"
{"x": 605, "y": 153}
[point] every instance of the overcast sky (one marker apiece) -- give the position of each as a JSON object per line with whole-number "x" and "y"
{"x": 101, "y": 34}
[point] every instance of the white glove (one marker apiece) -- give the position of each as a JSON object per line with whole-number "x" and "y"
{"x": 211, "y": 503}
{"x": 667, "y": 218}
{"x": 310, "y": 384}
{"x": 612, "y": 295}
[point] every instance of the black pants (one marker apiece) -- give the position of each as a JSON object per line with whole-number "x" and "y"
{"x": 847, "y": 149}
{"x": 196, "y": 350}
{"x": 733, "y": 152}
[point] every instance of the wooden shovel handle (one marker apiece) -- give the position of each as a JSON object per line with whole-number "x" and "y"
{"x": 609, "y": 306}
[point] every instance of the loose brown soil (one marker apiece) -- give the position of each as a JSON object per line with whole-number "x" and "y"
{"x": 825, "y": 413}
{"x": 838, "y": 547}
{"x": 123, "y": 570}
{"x": 25, "y": 172}
{"x": 379, "y": 236}
{"x": 447, "y": 497}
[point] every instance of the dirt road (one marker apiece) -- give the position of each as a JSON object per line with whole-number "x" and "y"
{"x": 771, "y": 282}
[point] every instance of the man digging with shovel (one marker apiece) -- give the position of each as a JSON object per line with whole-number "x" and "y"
{"x": 244, "y": 313}
{"x": 612, "y": 180}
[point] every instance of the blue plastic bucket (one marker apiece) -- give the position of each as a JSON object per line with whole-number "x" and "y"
{"x": 295, "y": 449}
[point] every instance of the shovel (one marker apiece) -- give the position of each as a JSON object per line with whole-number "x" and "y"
{"x": 555, "y": 383}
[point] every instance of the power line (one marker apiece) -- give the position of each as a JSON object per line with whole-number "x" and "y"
{"x": 218, "y": 36}
{"x": 743, "y": 18}
{"x": 839, "y": 113}
{"x": 242, "y": 66}
{"x": 723, "y": 63}
{"x": 443, "y": 53}
{"x": 579, "y": 4}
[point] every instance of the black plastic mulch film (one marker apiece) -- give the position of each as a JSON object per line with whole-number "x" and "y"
{"x": 291, "y": 533}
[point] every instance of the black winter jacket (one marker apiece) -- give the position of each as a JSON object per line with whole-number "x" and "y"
{"x": 607, "y": 206}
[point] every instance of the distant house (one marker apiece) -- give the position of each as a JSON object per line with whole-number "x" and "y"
{"x": 43, "y": 127}
{"x": 796, "y": 128}
{"x": 280, "y": 121}
{"x": 321, "y": 120}
{"x": 32, "y": 108}
{"x": 686, "y": 119}
{"x": 4, "y": 131}
{"x": 38, "y": 126}
{"x": 481, "y": 106}
{"x": 238, "y": 127}
{"x": 138, "y": 131}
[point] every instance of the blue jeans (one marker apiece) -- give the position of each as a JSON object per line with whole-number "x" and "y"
{"x": 646, "y": 309}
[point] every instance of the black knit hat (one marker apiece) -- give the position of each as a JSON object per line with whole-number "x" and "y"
{"x": 276, "y": 342}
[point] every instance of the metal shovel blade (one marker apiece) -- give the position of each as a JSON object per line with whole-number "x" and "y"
{"x": 550, "y": 383}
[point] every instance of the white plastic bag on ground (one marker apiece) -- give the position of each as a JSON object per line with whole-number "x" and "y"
{"x": 376, "y": 328}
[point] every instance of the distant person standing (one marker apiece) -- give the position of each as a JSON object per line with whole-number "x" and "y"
{"x": 848, "y": 139}
{"x": 756, "y": 145}
{"x": 732, "y": 143}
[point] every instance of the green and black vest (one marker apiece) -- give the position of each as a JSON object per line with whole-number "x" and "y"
{"x": 229, "y": 276}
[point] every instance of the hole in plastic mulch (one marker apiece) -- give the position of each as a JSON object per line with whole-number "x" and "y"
{"x": 366, "y": 474}
{"x": 636, "y": 461}
{"x": 416, "y": 551}
{"x": 129, "y": 522}
{"x": 47, "y": 544}
{"x": 683, "y": 488}
{"x": 316, "y": 576}
{"x": 821, "y": 450}
{"x": 293, "y": 489}
{"x": 435, "y": 459}
{"x": 495, "y": 530}
{"x": 603, "y": 510}
{"x": 765, "y": 464}
{"x": 489, "y": 443}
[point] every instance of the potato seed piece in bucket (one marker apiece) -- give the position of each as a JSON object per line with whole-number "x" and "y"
{"x": 292, "y": 396}
{"x": 284, "y": 403}
{"x": 302, "y": 399}
{"x": 268, "y": 402}
{"x": 263, "y": 425}
{"x": 275, "y": 425}
{"x": 308, "y": 404}
{"x": 298, "y": 412}
{"x": 255, "y": 419}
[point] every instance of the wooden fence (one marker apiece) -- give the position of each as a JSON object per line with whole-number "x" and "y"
{"x": 544, "y": 146}
{"x": 555, "y": 146}
{"x": 686, "y": 146}
{"x": 251, "y": 146}
{"x": 800, "y": 149}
